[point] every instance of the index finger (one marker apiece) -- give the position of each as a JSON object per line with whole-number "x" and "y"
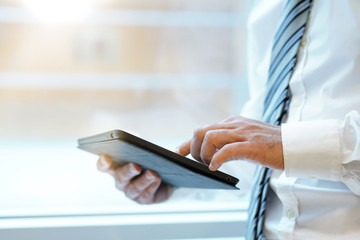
{"x": 184, "y": 149}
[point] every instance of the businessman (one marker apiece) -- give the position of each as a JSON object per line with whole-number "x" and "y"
{"x": 301, "y": 126}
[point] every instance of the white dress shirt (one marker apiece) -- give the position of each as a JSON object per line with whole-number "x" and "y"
{"x": 317, "y": 196}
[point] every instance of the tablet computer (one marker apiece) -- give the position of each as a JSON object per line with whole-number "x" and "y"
{"x": 173, "y": 168}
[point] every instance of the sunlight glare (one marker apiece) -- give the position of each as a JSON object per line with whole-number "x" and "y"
{"x": 60, "y": 11}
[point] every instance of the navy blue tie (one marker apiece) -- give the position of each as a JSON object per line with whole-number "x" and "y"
{"x": 283, "y": 59}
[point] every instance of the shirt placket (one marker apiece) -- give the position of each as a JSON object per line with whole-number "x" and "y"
{"x": 297, "y": 86}
{"x": 285, "y": 192}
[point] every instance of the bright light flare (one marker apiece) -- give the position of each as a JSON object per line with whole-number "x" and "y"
{"x": 60, "y": 11}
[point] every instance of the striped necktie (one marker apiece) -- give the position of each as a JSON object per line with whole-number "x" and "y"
{"x": 283, "y": 59}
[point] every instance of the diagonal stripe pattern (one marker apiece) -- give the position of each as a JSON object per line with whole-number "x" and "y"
{"x": 283, "y": 60}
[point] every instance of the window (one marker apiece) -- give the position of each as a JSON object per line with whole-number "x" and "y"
{"x": 70, "y": 69}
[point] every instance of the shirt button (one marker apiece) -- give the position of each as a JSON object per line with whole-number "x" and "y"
{"x": 290, "y": 213}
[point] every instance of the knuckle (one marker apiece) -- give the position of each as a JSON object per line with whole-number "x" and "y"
{"x": 124, "y": 174}
{"x": 232, "y": 118}
{"x": 146, "y": 178}
{"x": 119, "y": 179}
{"x": 142, "y": 200}
{"x": 128, "y": 195}
{"x": 146, "y": 195}
{"x": 119, "y": 175}
{"x": 199, "y": 132}
{"x": 210, "y": 136}
{"x": 131, "y": 191}
{"x": 119, "y": 185}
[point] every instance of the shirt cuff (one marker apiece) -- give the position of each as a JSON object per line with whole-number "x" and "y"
{"x": 312, "y": 149}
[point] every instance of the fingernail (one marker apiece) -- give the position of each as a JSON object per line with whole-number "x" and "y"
{"x": 105, "y": 162}
{"x": 133, "y": 168}
{"x": 149, "y": 175}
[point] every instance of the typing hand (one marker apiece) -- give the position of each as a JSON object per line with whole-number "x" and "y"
{"x": 236, "y": 138}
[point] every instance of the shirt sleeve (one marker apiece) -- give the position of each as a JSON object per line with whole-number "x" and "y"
{"x": 325, "y": 149}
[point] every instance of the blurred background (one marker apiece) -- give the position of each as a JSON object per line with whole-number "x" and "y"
{"x": 73, "y": 68}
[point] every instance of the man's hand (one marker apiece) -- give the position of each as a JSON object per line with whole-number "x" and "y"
{"x": 143, "y": 188}
{"x": 236, "y": 138}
